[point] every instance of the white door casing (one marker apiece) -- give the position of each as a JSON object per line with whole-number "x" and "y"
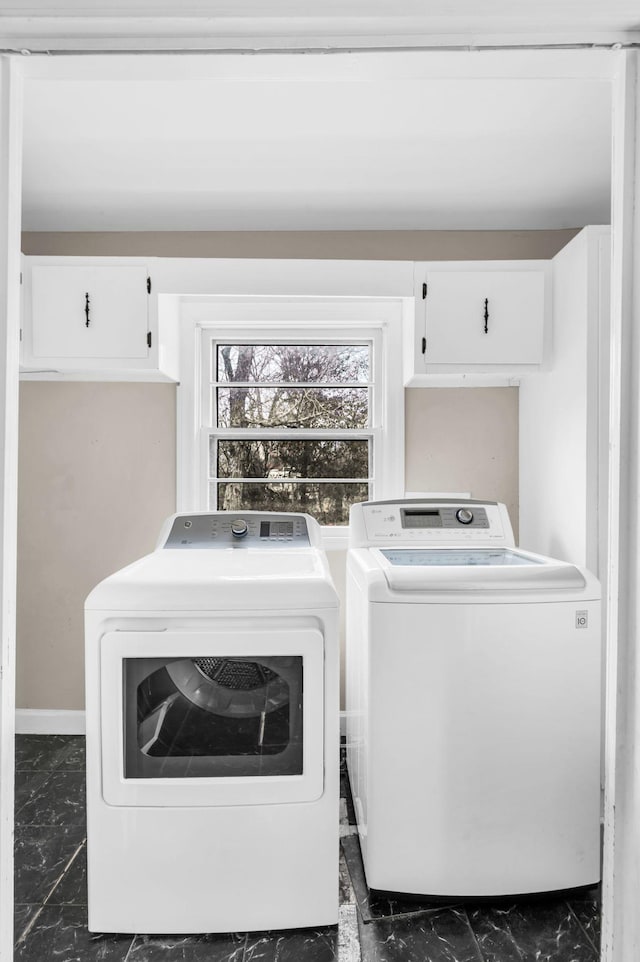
{"x": 10, "y": 220}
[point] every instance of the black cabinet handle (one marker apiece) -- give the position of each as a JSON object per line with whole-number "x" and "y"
{"x": 86, "y": 308}
{"x": 486, "y": 315}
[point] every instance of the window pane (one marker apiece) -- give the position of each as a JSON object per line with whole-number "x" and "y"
{"x": 327, "y": 503}
{"x": 291, "y": 407}
{"x": 303, "y": 363}
{"x": 283, "y": 458}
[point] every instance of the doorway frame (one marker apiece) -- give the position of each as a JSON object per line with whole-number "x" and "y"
{"x": 621, "y": 850}
{"x": 621, "y": 847}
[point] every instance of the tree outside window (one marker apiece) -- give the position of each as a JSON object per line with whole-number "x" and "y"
{"x": 293, "y": 428}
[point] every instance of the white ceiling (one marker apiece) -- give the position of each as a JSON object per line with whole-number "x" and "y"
{"x": 302, "y": 153}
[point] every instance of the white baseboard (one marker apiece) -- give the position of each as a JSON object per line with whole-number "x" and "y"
{"x": 45, "y": 721}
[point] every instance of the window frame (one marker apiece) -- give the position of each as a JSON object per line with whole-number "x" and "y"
{"x": 205, "y": 321}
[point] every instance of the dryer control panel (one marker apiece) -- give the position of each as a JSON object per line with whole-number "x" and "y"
{"x": 231, "y": 529}
{"x": 437, "y": 522}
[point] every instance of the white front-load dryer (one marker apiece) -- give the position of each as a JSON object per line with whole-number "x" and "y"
{"x": 213, "y": 731}
{"x": 473, "y": 705}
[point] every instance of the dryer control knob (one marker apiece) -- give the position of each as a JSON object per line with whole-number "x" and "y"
{"x": 464, "y": 515}
{"x": 239, "y": 528}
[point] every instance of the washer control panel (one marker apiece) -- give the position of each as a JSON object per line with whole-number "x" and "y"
{"x": 436, "y": 522}
{"x": 447, "y": 516}
{"x": 230, "y": 529}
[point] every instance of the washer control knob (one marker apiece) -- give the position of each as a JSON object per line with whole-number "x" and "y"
{"x": 464, "y": 515}
{"x": 239, "y": 528}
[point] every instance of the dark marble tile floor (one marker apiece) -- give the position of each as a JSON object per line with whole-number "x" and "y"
{"x": 50, "y": 911}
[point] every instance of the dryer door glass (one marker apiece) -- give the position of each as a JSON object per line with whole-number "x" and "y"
{"x": 213, "y": 716}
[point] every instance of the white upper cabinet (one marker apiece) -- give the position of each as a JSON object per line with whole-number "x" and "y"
{"x": 133, "y": 334}
{"x": 91, "y": 316}
{"x": 89, "y": 311}
{"x": 478, "y": 317}
{"x": 484, "y": 317}
{"x": 117, "y": 318}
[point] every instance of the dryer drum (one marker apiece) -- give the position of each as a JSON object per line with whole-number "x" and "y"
{"x": 231, "y": 687}
{"x": 237, "y": 675}
{"x": 229, "y": 709}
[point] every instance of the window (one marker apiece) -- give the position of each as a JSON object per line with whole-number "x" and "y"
{"x": 292, "y": 427}
{"x": 293, "y": 407}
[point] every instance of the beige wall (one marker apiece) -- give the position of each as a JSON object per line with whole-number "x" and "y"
{"x": 97, "y": 460}
{"x": 406, "y": 245}
{"x": 96, "y": 479}
{"x": 464, "y": 439}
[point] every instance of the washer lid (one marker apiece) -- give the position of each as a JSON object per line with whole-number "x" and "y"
{"x": 457, "y": 569}
{"x": 243, "y": 579}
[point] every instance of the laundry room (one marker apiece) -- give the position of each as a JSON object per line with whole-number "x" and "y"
{"x": 212, "y": 210}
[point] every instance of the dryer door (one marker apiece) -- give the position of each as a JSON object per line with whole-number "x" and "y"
{"x": 220, "y": 717}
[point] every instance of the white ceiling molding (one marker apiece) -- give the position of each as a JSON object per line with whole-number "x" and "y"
{"x": 40, "y": 25}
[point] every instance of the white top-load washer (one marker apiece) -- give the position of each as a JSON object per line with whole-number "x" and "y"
{"x": 213, "y": 731}
{"x": 473, "y": 704}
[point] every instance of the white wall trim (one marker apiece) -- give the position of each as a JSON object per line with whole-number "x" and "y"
{"x": 46, "y": 721}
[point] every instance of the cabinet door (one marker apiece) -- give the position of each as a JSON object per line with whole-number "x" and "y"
{"x": 115, "y": 298}
{"x": 484, "y": 317}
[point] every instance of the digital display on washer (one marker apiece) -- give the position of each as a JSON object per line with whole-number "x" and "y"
{"x": 430, "y": 557}
{"x": 276, "y": 529}
{"x": 421, "y": 519}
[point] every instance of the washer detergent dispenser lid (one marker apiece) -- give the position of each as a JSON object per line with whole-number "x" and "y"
{"x": 224, "y": 561}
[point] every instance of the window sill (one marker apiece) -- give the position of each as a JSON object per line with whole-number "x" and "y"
{"x": 335, "y": 538}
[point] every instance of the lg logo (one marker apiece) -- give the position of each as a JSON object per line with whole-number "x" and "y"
{"x": 582, "y": 619}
